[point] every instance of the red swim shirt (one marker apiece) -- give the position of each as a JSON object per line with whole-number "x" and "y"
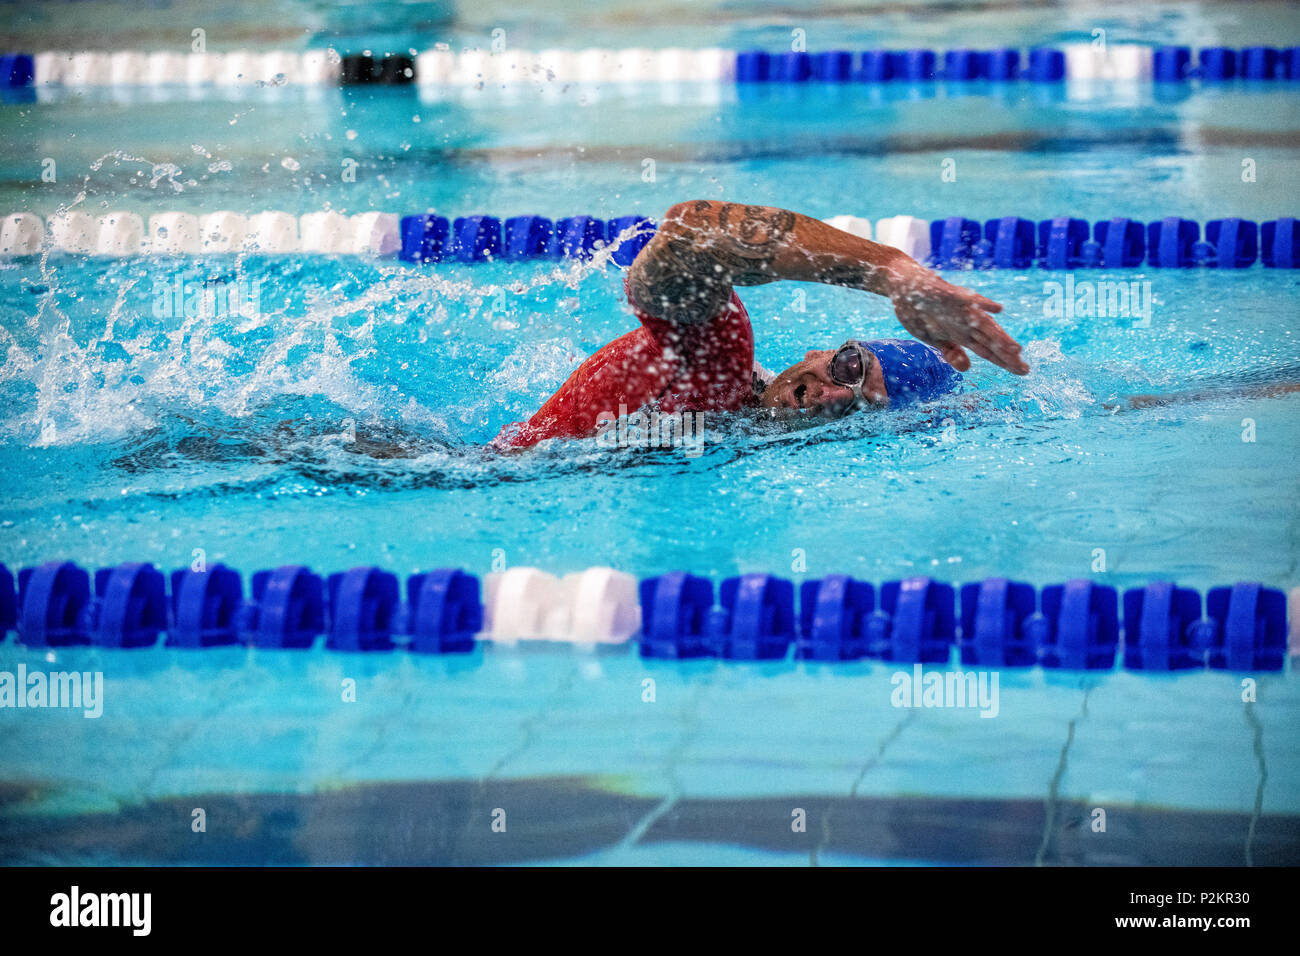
{"x": 674, "y": 367}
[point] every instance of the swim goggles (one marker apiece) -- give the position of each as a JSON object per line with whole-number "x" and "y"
{"x": 849, "y": 366}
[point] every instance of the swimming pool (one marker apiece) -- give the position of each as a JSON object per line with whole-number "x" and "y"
{"x": 132, "y": 435}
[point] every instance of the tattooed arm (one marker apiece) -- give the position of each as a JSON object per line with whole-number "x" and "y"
{"x": 704, "y": 248}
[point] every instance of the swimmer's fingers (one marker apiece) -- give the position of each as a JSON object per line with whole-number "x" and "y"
{"x": 1004, "y": 352}
{"x": 974, "y": 298}
{"x": 990, "y": 341}
{"x": 982, "y": 349}
{"x": 981, "y": 346}
{"x": 954, "y": 355}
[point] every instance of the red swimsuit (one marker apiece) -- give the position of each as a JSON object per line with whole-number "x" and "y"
{"x": 703, "y": 366}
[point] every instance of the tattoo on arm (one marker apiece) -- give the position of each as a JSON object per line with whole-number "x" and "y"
{"x": 703, "y": 248}
{"x": 750, "y": 238}
{"x": 677, "y": 280}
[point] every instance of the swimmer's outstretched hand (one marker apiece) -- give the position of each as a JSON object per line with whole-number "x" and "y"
{"x": 704, "y": 247}
{"x": 953, "y": 319}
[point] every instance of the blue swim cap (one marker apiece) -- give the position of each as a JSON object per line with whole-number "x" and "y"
{"x": 914, "y": 372}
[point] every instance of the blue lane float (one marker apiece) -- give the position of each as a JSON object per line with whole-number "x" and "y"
{"x": 130, "y": 607}
{"x": 1217, "y": 63}
{"x": 965, "y": 64}
{"x": 1162, "y": 628}
{"x": 1121, "y": 243}
{"x": 1279, "y": 242}
{"x": 873, "y": 66}
{"x": 1008, "y": 243}
{"x": 1261, "y": 63}
{"x": 1002, "y": 65}
{"x": 363, "y": 603}
{"x": 8, "y": 601}
{"x": 753, "y": 66}
{"x": 757, "y": 622}
{"x": 1079, "y": 628}
{"x": 630, "y": 247}
{"x": 476, "y": 239}
{"x": 205, "y": 606}
{"x": 1290, "y": 63}
{"x": 916, "y": 66}
{"x": 994, "y": 623}
{"x": 675, "y": 616}
{"x": 430, "y": 238}
{"x": 1171, "y": 64}
{"x": 1171, "y": 242}
{"x": 425, "y": 238}
{"x": 953, "y": 241}
{"x": 833, "y": 616}
{"x": 527, "y": 237}
{"x": 443, "y": 612}
{"x": 576, "y": 237}
{"x": 832, "y": 66}
{"x": 1046, "y": 65}
{"x": 16, "y": 70}
{"x": 790, "y": 68}
{"x": 54, "y": 605}
{"x": 1011, "y": 242}
{"x": 1231, "y": 243}
{"x": 994, "y": 618}
{"x": 1246, "y": 627}
{"x": 1060, "y": 242}
{"x": 916, "y": 623}
{"x": 287, "y": 610}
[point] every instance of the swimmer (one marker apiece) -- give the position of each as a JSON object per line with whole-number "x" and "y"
{"x": 694, "y": 350}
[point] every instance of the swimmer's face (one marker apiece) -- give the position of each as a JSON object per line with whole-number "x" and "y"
{"x": 807, "y": 387}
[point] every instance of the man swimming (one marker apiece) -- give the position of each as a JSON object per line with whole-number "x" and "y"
{"x": 694, "y": 350}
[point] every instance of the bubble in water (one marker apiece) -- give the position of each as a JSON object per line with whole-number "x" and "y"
{"x": 352, "y": 134}
{"x": 290, "y": 164}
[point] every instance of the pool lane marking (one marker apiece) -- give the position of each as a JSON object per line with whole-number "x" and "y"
{"x": 187, "y": 734}
{"x": 872, "y": 761}
{"x": 1054, "y": 788}
{"x": 687, "y": 737}
{"x": 1258, "y": 745}
{"x": 360, "y": 758}
{"x": 527, "y": 728}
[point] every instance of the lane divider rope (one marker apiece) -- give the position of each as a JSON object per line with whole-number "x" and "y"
{"x": 1078, "y": 625}
{"x": 474, "y": 67}
{"x": 955, "y": 242}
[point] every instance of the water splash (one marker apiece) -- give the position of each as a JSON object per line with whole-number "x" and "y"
{"x": 78, "y": 383}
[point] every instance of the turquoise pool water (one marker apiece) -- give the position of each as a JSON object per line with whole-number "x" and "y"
{"x": 125, "y": 435}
